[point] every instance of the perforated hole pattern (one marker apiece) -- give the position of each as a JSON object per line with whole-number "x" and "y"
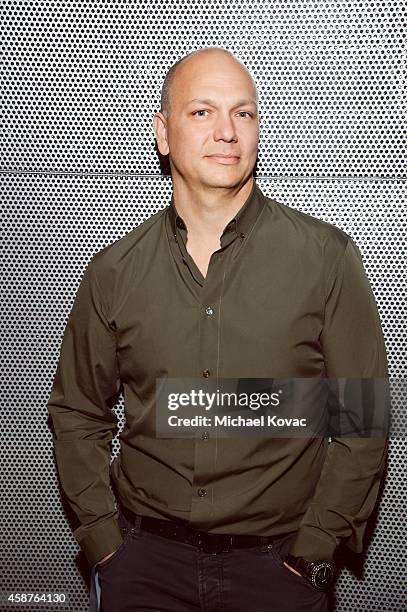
{"x": 80, "y": 83}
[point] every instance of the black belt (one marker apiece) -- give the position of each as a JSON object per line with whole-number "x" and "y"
{"x": 204, "y": 540}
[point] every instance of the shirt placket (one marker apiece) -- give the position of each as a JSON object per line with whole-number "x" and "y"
{"x": 209, "y": 352}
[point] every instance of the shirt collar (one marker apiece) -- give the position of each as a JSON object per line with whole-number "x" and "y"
{"x": 241, "y": 222}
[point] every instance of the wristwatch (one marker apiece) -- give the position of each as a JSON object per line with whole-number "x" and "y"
{"x": 320, "y": 574}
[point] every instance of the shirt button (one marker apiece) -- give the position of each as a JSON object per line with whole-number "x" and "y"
{"x": 206, "y": 373}
{"x": 241, "y": 234}
{"x": 205, "y": 435}
{"x": 202, "y": 492}
{"x": 209, "y": 310}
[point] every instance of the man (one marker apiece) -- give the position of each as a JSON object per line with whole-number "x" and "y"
{"x": 222, "y": 283}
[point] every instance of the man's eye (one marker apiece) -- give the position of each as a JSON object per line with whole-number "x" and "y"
{"x": 203, "y": 110}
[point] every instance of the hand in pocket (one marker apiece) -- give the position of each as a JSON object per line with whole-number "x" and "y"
{"x": 108, "y": 556}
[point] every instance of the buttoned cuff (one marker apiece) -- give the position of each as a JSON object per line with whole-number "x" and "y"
{"x": 99, "y": 540}
{"x": 312, "y": 546}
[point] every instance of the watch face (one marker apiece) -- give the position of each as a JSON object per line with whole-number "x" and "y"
{"x": 322, "y": 575}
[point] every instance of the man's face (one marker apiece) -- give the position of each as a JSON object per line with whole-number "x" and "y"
{"x": 213, "y": 112}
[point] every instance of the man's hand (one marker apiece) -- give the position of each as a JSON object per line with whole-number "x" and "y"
{"x": 107, "y": 557}
{"x": 292, "y": 569}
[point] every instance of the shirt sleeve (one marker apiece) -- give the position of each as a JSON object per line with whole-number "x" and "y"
{"x": 85, "y": 388}
{"x": 353, "y": 347}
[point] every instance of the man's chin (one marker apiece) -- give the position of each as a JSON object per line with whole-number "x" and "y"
{"x": 222, "y": 179}
{"x": 221, "y": 184}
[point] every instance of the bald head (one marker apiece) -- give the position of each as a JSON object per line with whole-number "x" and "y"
{"x": 208, "y": 123}
{"x": 191, "y": 62}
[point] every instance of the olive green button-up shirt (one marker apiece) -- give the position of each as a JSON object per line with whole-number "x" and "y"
{"x": 285, "y": 295}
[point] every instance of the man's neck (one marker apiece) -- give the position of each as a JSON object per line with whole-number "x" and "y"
{"x": 207, "y": 212}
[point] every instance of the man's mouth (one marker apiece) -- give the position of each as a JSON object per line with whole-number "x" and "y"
{"x": 224, "y": 159}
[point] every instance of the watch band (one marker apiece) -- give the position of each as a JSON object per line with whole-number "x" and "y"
{"x": 320, "y": 574}
{"x": 298, "y": 563}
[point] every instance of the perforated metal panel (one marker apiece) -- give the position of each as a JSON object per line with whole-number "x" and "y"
{"x": 80, "y": 83}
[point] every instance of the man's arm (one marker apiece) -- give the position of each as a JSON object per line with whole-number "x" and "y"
{"x": 353, "y": 347}
{"x": 85, "y": 387}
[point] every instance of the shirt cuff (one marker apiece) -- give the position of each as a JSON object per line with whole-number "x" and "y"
{"x": 99, "y": 540}
{"x": 312, "y": 547}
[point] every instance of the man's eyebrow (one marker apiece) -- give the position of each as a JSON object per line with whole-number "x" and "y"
{"x": 213, "y": 102}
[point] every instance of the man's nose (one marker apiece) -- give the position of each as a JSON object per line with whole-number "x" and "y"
{"x": 225, "y": 128}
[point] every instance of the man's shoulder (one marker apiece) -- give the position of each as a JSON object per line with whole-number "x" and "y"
{"x": 121, "y": 251}
{"x": 303, "y": 225}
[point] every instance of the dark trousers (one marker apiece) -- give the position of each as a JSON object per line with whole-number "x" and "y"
{"x": 150, "y": 572}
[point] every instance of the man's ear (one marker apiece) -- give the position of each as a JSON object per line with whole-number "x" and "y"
{"x": 160, "y": 131}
